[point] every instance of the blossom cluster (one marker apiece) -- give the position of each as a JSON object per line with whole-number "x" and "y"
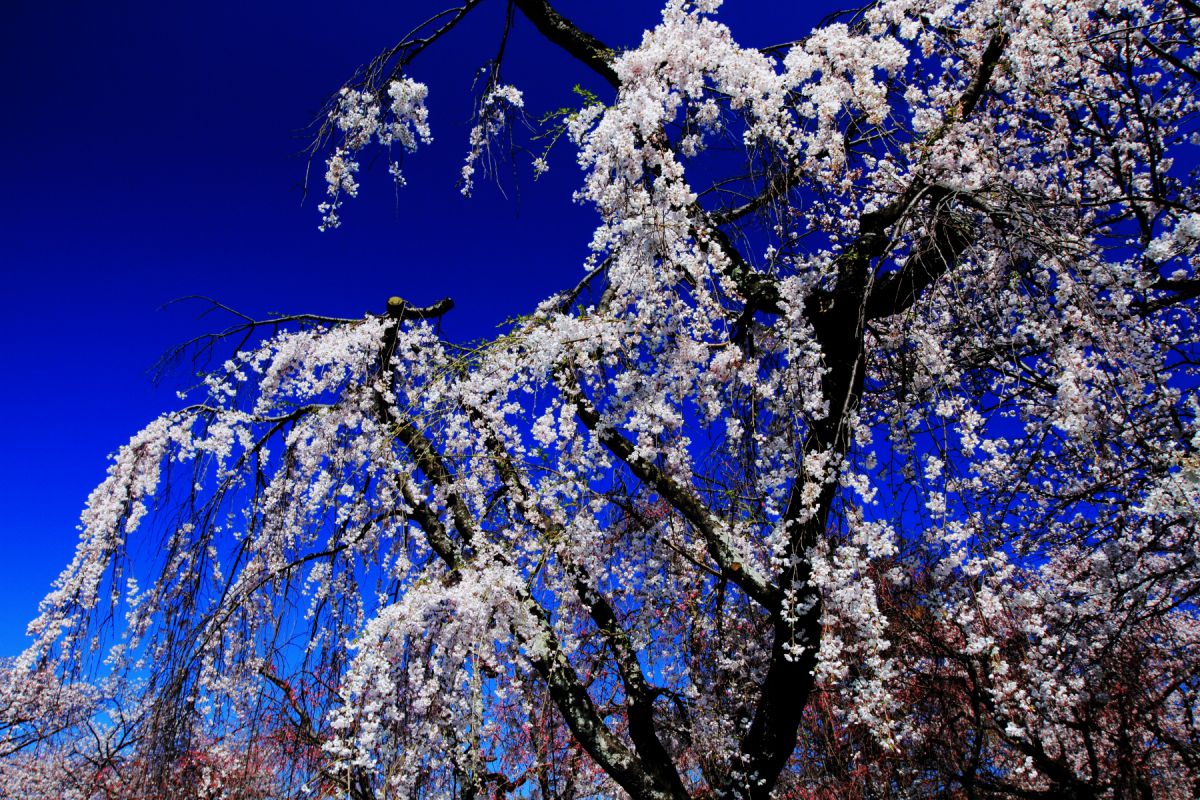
{"x": 360, "y": 117}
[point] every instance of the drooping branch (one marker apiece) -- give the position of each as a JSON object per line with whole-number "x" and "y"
{"x": 639, "y": 695}
{"x": 400, "y": 55}
{"x": 543, "y": 649}
{"x": 243, "y": 331}
{"x": 355, "y": 779}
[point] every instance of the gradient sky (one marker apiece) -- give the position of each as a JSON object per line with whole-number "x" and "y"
{"x": 154, "y": 151}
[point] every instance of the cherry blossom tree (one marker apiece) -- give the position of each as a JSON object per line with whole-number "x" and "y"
{"x": 861, "y": 464}
{"x": 70, "y": 740}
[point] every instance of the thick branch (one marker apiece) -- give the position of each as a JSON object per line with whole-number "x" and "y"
{"x": 987, "y": 65}
{"x": 430, "y": 462}
{"x": 639, "y": 696}
{"x": 789, "y": 682}
{"x": 576, "y": 706}
{"x": 565, "y": 301}
{"x": 561, "y": 31}
{"x": 1180, "y": 292}
{"x": 838, "y": 319}
{"x": 401, "y": 310}
{"x": 932, "y": 258}
{"x": 776, "y": 187}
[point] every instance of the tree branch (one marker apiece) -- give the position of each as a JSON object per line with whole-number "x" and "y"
{"x": 931, "y": 259}
{"x": 543, "y": 649}
{"x": 400, "y": 309}
{"x": 561, "y": 31}
{"x": 639, "y": 696}
{"x": 733, "y": 565}
{"x": 838, "y": 318}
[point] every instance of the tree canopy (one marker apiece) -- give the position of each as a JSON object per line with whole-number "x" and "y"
{"x": 860, "y": 462}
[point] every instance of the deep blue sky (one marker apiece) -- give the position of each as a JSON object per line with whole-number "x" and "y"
{"x": 151, "y": 151}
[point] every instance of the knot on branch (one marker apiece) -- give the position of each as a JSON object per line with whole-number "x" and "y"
{"x": 400, "y": 309}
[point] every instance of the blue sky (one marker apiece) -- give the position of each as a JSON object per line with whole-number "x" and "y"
{"x": 152, "y": 151}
